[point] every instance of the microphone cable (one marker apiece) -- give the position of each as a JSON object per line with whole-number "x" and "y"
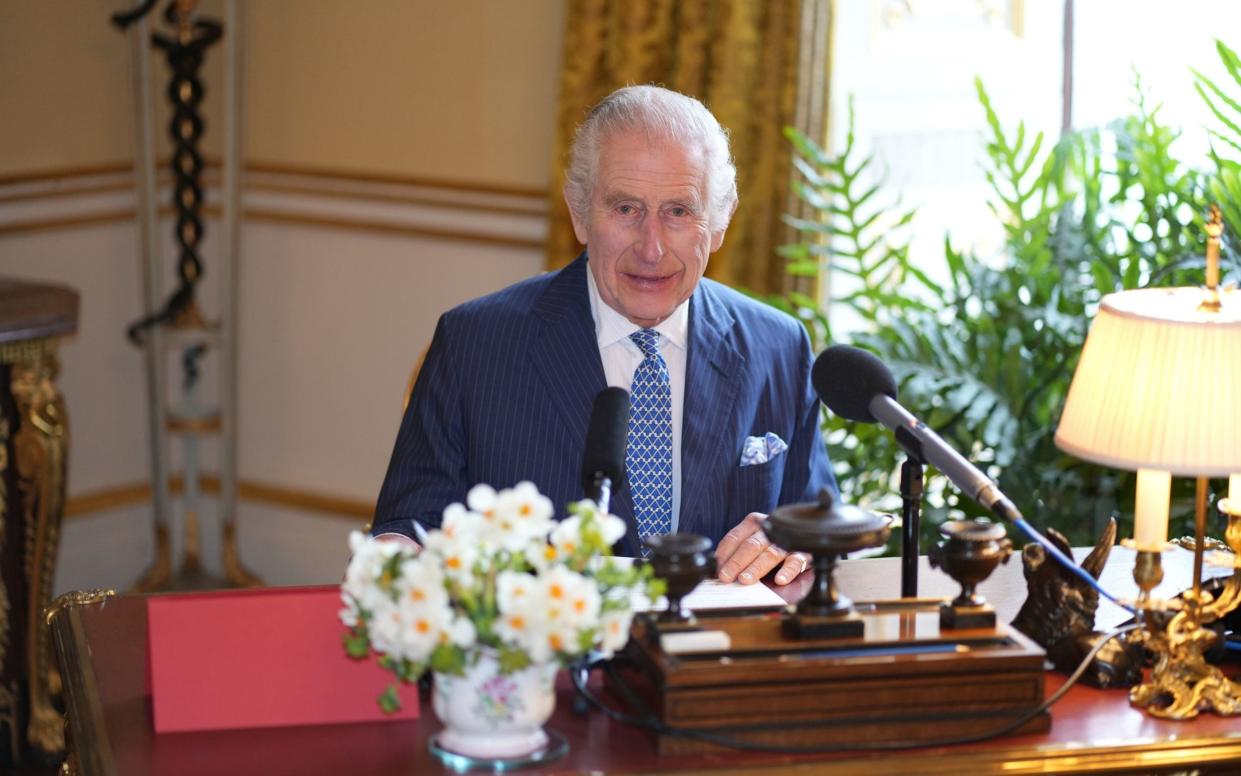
{"x": 1068, "y": 562}
{"x": 580, "y": 675}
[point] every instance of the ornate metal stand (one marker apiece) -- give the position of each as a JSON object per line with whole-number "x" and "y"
{"x": 1182, "y": 684}
{"x": 177, "y": 328}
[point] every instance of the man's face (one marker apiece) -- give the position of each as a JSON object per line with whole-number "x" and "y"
{"x": 646, "y": 226}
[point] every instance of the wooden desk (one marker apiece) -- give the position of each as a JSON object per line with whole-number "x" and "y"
{"x": 34, "y": 442}
{"x": 102, "y": 648}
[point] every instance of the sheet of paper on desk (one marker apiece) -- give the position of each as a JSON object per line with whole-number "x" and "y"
{"x": 1117, "y": 579}
{"x": 714, "y": 594}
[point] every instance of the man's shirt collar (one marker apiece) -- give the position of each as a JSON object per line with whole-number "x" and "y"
{"x": 611, "y": 326}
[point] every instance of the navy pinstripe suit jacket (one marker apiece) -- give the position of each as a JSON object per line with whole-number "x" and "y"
{"x": 506, "y": 390}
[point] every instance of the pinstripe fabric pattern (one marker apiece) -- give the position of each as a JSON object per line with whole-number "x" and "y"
{"x": 506, "y": 389}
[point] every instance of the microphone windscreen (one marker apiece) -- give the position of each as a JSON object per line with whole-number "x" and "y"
{"x": 606, "y": 439}
{"x": 847, "y": 378}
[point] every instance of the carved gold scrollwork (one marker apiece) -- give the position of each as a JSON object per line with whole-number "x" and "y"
{"x": 8, "y": 714}
{"x": 39, "y": 451}
{"x": 69, "y": 766}
{"x": 4, "y": 507}
{"x": 1182, "y": 684}
{"x": 76, "y": 598}
{"x": 8, "y": 694}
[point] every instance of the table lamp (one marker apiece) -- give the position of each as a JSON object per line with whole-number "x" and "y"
{"x": 1155, "y": 391}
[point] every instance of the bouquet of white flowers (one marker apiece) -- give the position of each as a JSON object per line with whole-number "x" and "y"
{"x": 500, "y": 574}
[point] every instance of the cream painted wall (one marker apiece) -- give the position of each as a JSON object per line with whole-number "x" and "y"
{"x": 64, "y": 85}
{"x": 458, "y": 90}
{"x": 332, "y": 317}
{"x": 461, "y": 90}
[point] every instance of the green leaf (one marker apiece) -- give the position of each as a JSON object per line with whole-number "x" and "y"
{"x": 448, "y": 659}
{"x": 512, "y": 659}
{"x": 357, "y": 645}
{"x": 389, "y": 701}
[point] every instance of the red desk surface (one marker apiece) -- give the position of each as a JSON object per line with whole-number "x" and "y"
{"x": 1092, "y": 731}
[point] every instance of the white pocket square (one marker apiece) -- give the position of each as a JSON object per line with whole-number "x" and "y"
{"x": 761, "y": 449}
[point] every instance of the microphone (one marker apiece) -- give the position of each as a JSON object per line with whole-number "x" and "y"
{"x": 603, "y": 462}
{"x": 856, "y": 385}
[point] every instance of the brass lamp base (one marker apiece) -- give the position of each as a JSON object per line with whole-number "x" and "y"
{"x": 1182, "y": 684}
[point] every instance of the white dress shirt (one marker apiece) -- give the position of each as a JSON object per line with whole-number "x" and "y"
{"x": 621, "y": 357}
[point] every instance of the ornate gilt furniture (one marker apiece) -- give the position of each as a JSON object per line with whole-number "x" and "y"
{"x": 34, "y": 441}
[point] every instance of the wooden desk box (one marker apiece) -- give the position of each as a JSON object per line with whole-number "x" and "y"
{"x": 904, "y": 680}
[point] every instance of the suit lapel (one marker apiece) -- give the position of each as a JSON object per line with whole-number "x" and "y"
{"x": 566, "y": 357}
{"x": 711, "y": 388}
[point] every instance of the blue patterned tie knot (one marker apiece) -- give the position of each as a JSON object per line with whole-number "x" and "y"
{"x": 648, "y": 459}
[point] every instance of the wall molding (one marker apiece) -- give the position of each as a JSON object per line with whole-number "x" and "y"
{"x": 366, "y": 176}
{"x": 467, "y": 211}
{"x": 91, "y": 503}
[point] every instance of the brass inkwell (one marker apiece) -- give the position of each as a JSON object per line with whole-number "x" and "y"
{"x": 826, "y": 531}
{"x": 969, "y": 553}
{"x": 682, "y": 560}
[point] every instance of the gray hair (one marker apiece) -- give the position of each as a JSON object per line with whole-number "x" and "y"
{"x": 664, "y": 114}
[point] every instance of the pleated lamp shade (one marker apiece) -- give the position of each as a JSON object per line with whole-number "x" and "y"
{"x": 1158, "y": 385}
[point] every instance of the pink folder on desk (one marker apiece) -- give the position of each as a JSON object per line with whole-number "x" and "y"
{"x": 259, "y": 658}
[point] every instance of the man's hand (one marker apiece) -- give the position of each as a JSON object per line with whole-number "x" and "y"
{"x": 400, "y": 539}
{"x": 746, "y": 555}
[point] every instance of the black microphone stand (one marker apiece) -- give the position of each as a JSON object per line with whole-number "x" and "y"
{"x": 602, "y": 485}
{"x": 911, "y": 511}
{"x": 911, "y": 516}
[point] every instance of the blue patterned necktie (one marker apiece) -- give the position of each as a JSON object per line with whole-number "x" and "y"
{"x": 648, "y": 460}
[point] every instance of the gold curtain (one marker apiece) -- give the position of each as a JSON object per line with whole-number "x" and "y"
{"x": 759, "y": 65}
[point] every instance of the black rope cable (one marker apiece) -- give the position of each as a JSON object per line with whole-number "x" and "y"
{"x": 581, "y": 673}
{"x": 184, "y": 52}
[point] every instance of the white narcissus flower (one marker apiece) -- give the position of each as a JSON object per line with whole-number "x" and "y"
{"x": 522, "y": 628}
{"x": 567, "y": 536}
{"x": 612, "y": 528}
{"x": 541, "y": 556}
{"x": 369, "y": 557}
{"x": 350, "y": 615}
{"x": 462, "y": 632}
{"x": 522, "y": 515}
{"x": 421, "y": 583}
{"x": 614, "y": 631}
{"x": 460, "y": 523}
{"x": 515, "y": 590}
{"x": 457, "y": 547}
{"x": 385, "y": 627}
{"x": 521, "y": 622}
{"x": 565, "y": 603}
{"x": 425, "y": 613}
{"x": 360, "y": 590}
{"x": 543, "y": 607}
{"x": 571, "y": 598}
{"x": 481, "y": 499}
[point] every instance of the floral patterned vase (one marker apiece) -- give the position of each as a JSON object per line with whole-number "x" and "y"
{"x": 490, "y": 715}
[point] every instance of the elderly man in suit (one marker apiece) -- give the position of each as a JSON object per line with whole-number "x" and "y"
{"x": 725, "y": 423}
